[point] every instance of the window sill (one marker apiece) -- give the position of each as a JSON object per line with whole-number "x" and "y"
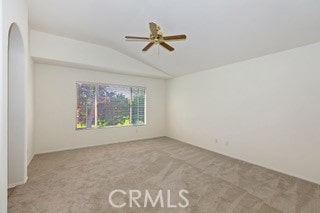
{"x": 107, "y": 127}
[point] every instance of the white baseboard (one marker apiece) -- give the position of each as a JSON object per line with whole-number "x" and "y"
{"x": 30, "y": 159}
{"x": 252, "y": 162}
{"x": 11, "y": 185}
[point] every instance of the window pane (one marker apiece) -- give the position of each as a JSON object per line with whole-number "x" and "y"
{"x": 85, "y": 105}
{"x": 100, "y": 105}
{"x": 138, "y": 105}
{"x": 113, "y": 105}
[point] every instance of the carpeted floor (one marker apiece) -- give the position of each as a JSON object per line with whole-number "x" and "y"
{"x": 80, "y": 181}
{"x": 10, "y": 191}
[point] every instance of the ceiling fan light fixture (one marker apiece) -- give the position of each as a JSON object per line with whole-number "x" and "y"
{"x": 156, "y": 37}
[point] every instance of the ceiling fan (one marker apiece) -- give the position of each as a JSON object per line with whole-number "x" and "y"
{"x": 156, "y": 37}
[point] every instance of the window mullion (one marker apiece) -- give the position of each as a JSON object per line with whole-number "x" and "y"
{"x": 130, "y": 115}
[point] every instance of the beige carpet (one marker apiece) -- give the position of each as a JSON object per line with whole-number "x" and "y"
{"x": 80, "y": 181}
{"x": 10, "y": 191}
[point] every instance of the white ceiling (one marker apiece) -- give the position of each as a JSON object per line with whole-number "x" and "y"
{"x": 218, "y": 32}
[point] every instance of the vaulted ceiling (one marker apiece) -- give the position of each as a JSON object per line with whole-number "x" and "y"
{"x": 219, "y": 32}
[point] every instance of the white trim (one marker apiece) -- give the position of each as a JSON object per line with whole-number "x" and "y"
{"x": 251, "y": 162}
{"x": 11, "y": 185}
{"x": 30, "y": 159}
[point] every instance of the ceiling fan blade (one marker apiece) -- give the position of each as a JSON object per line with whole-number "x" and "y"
{"x": 167, "y": 46}
{"x": 136, "y": 37}
{"x": 174, "y": 37}
{"x": 153, "y": 29}
{"x": 148, "y": 46}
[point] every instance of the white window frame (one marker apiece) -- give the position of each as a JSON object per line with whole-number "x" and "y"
{"x": 96, "y": 84}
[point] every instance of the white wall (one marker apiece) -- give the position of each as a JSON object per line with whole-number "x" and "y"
{"x": 55, "y": 109}
{"x": 12, "y": 11}
{"x": 265, "y": 111}
{"x": 30, "y": 112}
{"x": 50, "y": 48}
{"x": 3, "y": 125}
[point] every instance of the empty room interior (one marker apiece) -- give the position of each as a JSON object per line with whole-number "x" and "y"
{"x": 160, "y": 106}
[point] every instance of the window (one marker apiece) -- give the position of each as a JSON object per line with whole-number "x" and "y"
{"x": 100, "y": 105}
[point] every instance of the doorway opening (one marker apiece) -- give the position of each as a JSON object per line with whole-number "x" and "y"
{"x": 17, "y": 166}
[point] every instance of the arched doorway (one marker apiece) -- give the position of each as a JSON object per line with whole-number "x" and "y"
{"x": 17, "y": 168}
